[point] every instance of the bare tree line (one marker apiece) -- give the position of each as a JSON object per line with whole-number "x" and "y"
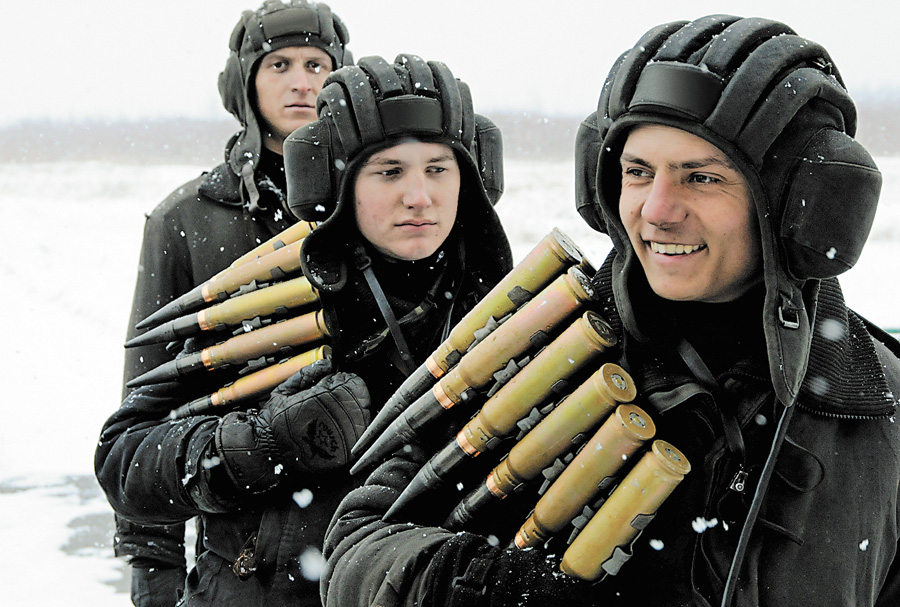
{"x": 201, "y": 142}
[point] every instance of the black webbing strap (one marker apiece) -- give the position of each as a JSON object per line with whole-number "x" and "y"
{"x": 364, "y": 263}
{"x": 730, "y": 424}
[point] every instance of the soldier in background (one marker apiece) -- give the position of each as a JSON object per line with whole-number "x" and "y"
{"x": 281, "y": 54}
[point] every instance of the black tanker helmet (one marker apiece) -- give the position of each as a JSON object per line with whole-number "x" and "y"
{"x": 274, "y": 25}
{"x": 776, "y": 105}
{"x": 374, "y": 105}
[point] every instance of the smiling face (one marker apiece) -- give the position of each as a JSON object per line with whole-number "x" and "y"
{"x": 287, "y": 83}
{"x": 406, "y": 199}
{"x": 688, "y": 215}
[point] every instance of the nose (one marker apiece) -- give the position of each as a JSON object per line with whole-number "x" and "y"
{"x": 416, "y": 193}
{"x": 663, "y": 207}
{"x": 301, "y": 80}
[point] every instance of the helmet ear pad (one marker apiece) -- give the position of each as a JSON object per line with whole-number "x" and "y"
{"x": 313, "y": 158}
{"x": 588, "y": 145}
{"x": 231, "y": 79}
{"x": 821, "y": 235}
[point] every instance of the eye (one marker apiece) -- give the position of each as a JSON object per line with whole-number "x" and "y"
{"x": 703, "y": 179}
{"x": 315, "y": 67}
{"x": 636, "y": 172}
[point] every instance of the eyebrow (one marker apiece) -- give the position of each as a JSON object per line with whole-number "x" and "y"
{"x": 388, "y": 161}
{"x": 709, "y": 161}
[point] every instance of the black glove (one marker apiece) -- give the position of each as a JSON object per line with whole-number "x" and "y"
{"x": 156, "y": 587}
{"x": 308, "y": 425}
{"x": 316, "y": 425}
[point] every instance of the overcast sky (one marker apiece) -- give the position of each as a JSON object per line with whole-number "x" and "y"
{"x": 65, "y": 59}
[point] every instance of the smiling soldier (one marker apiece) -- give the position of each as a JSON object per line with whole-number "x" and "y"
{"x": 722, "y": 164}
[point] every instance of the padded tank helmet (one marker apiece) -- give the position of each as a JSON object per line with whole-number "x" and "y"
{"x": 274, "y": 25}
{"x": 375, "y": 105}
{"x": 776, "y": 105}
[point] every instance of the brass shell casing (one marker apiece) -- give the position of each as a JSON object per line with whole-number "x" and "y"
{"x": 260, "y": 382}
{"x": 585, "y": 408}
{"x": 293, "y": 332}
{"x": 593, "y": 469}
{"x": 298, "y": 231}
{"x": 549, "y": 258}
{"x": 575, "y": 347}
{"x": 273, "y": 266}
{"x": 563, "y": 297}
{"x": 603, "y": 545}
{"x": 289, "y": 294}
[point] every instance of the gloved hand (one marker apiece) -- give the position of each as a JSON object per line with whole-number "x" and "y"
{"x": 316, "y": 421}
{"x": 307, "y": 426}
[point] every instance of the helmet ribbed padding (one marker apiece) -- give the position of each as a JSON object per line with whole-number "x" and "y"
{"x": 275, "y": 25}
{"x": 374, "y": 104}
{"x": 775, "y": 104}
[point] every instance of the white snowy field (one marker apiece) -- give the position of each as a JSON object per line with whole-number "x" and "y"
{"x": 68, "y": 253}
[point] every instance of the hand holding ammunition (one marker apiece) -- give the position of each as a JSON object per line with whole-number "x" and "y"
{"x": 316, "y": 417}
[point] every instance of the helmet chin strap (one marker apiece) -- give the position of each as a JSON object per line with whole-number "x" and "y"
{"x": 733, "y": 436}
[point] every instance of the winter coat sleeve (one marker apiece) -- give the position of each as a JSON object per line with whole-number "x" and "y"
{"x": 373, "y": 562}
{"x": 164, "y": 272}
{"x": 159, "y": 471}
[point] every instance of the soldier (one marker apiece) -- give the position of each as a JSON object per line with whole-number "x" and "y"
{"x": 721, "y": 163}
{"x": 281, "y": 54}
{"x": 404, "y": 175}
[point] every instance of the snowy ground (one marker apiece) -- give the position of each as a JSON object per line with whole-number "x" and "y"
{"x": 68, "y": 250}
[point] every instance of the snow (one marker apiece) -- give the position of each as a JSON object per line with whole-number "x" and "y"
{"x": 68, "y": 252}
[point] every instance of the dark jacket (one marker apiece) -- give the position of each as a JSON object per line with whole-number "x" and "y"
{"x": 827, "y": 533}
{"x": 156, "y": 471}
{"x": 198, "y": 230}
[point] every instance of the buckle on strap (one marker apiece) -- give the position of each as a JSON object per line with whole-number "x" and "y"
{"x": 473, "y": 583}
{"x": 246, "y": 564}
{"x": 793, "y": 318}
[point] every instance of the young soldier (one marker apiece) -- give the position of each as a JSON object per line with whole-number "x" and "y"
{"x": 721, "y": 163}
{"x": 281, "y": 54}
{"x": 410, "y": 243}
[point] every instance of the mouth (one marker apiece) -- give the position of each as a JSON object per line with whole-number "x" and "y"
{"x": 675, "y": 249}
{"x": 416, "y": 224}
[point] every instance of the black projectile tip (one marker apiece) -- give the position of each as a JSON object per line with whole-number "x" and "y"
{"x": 466, "y": 509}
{"x": 163, "y": 373}
{"x": 169, "y": 371}
{"x": 402, "y": 430}
{"x": 162, "y": 334}
{"x": 195, "y": 407}
{"x": 432, "y": 476}
{"x": 173, "y": 330}
{"x": 413, "y": 388}
{"x": 190, "y": 301}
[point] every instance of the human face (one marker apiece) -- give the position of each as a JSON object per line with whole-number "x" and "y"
{"x": 406, "y": 199}
{"x": 688, "y": 215}
{"x": 287, "y": 83}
